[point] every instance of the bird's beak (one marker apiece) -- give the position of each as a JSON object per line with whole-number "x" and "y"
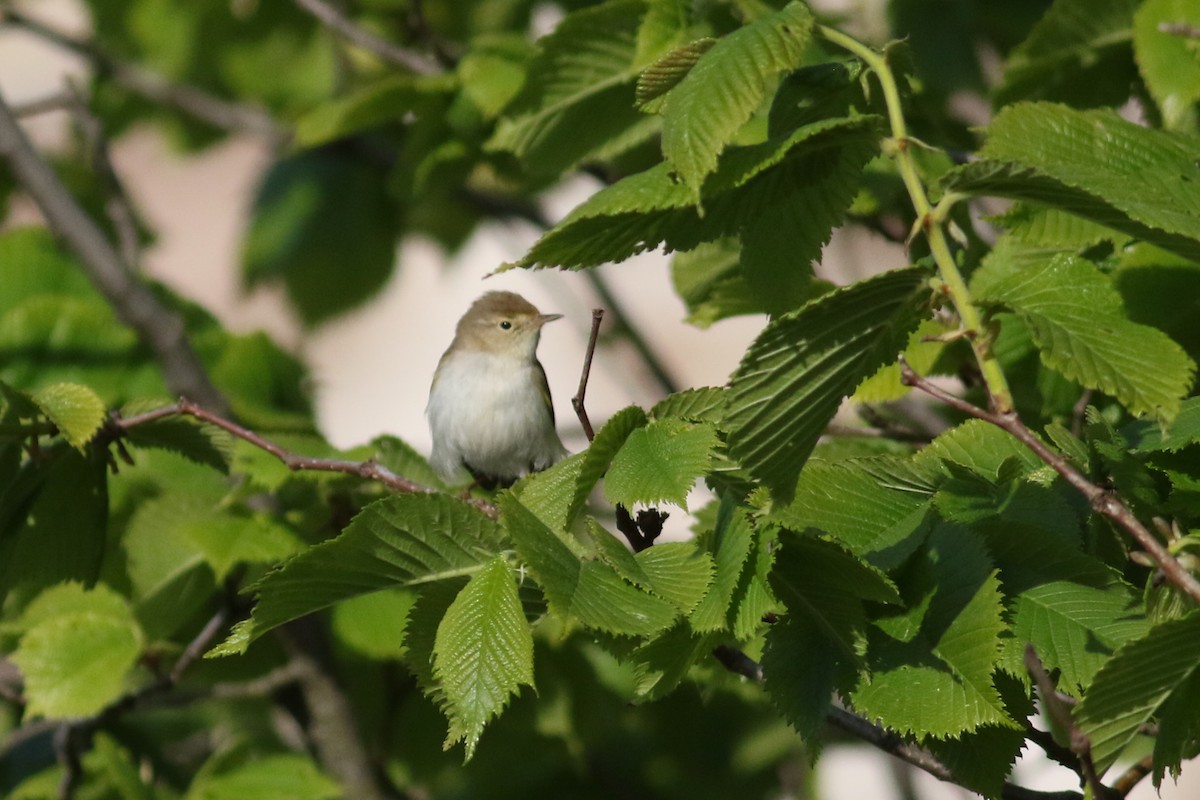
{"x": 542, "y": 319}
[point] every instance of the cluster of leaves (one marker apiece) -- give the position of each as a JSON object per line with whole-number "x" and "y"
{"x": 905, "y": 576}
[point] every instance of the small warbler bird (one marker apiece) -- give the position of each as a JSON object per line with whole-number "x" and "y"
{"x": 489, "y": 406}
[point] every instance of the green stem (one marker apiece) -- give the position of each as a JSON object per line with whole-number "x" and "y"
{"x": 898, "y": 148}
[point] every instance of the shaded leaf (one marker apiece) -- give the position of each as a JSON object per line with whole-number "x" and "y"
{"x": 589, "y": 591}
{"x": 402, "y": 540}
{"x": 794, "y": 376}
{"x": 1139, "y": 682}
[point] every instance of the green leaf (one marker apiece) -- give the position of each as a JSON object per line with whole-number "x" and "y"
{"x": 801, "y": 672}
{"x": 120, "y": 770}
{"x": 662, "y": 664}
{"x": 704, "y": 404}
{"x": 979, "y": 446}
{"x": 1168, "y": 62}
{"x": 600, "y": 453}
{"x": 649, "y": 208}
{"x": 373, "y": 624}
{"x": 794, "y": 376}
{"x": 876, "y": 521}
{"x": 578, "y": 101}
{"x": 1074, "y": 610}
{"x": 325, "y": 224}
{"x": 589, "y": 591}
{"x": 676, "y": 571}
{"x": 730, "y": 545}
{"x": 1066, "y": 52}
{"x": 921, "y": 353}
{"x": 663, "y": 75}
{"x": 1094, "y": 164}
{"x": 284, "y": 776}
{"x": 483, "y": 653}
{"x": 938, "y": 680}
{"x": 982, "y": 760}
{"x": 555, "y": 494}
{"x": 1076, "y": 320}
{"x": 1038, "y": 226}
{"x": 823, "y": 584}
{"x": 492, "y": 71}
{"x": 1148, "y": 437}
{"x": 402, "y": 540}
{"x": 784, "y": 239}
{"x": 660, "y": 463}
{"x": 55, "y": 518}
{"x": 77, "y": 647}
{"x": 717, "y": 97}
{"x": 198, "y": 523}
{"x": 75, "y": 410}
{"x": 1139, "y": 682}
{"x": 382, "y": 101}
{"x": 710, "y": 282}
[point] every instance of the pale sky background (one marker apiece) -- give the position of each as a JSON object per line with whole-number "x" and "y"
{"x": 372, "y": 368}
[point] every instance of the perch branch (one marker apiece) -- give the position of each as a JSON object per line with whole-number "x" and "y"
{"x": 1101, "y": 501}
{"x": 339, "y": 23}
{"x": 369, "y": 470}
{"x": 190, "y": 100}
{"x": 134, "y": 303}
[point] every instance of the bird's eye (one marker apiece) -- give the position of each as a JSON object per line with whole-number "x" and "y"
{"x": 505, "y": 325}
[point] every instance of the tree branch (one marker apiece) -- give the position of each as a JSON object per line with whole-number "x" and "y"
{"x": 369, "y": 470}
{"x": 135, "y": 305}
{"x": 336, "y": 21}
{"x": 1102, "y": 502}
{"x": 189, "y": 100}
{"x": 739, "y": 663}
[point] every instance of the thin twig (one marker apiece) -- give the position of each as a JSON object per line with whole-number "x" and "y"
{"x": 190, "y": 100}
{"x": 59, "y": 101}
{"x": 369, "y": 470}
{"x": 337, "y": 22}
{"x": 577, "y": 402}
{"x": 158, "y": 326}
{"x": 1102, "y": 502}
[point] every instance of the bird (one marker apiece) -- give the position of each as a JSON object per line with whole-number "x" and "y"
{"x": 489, "y": 409}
